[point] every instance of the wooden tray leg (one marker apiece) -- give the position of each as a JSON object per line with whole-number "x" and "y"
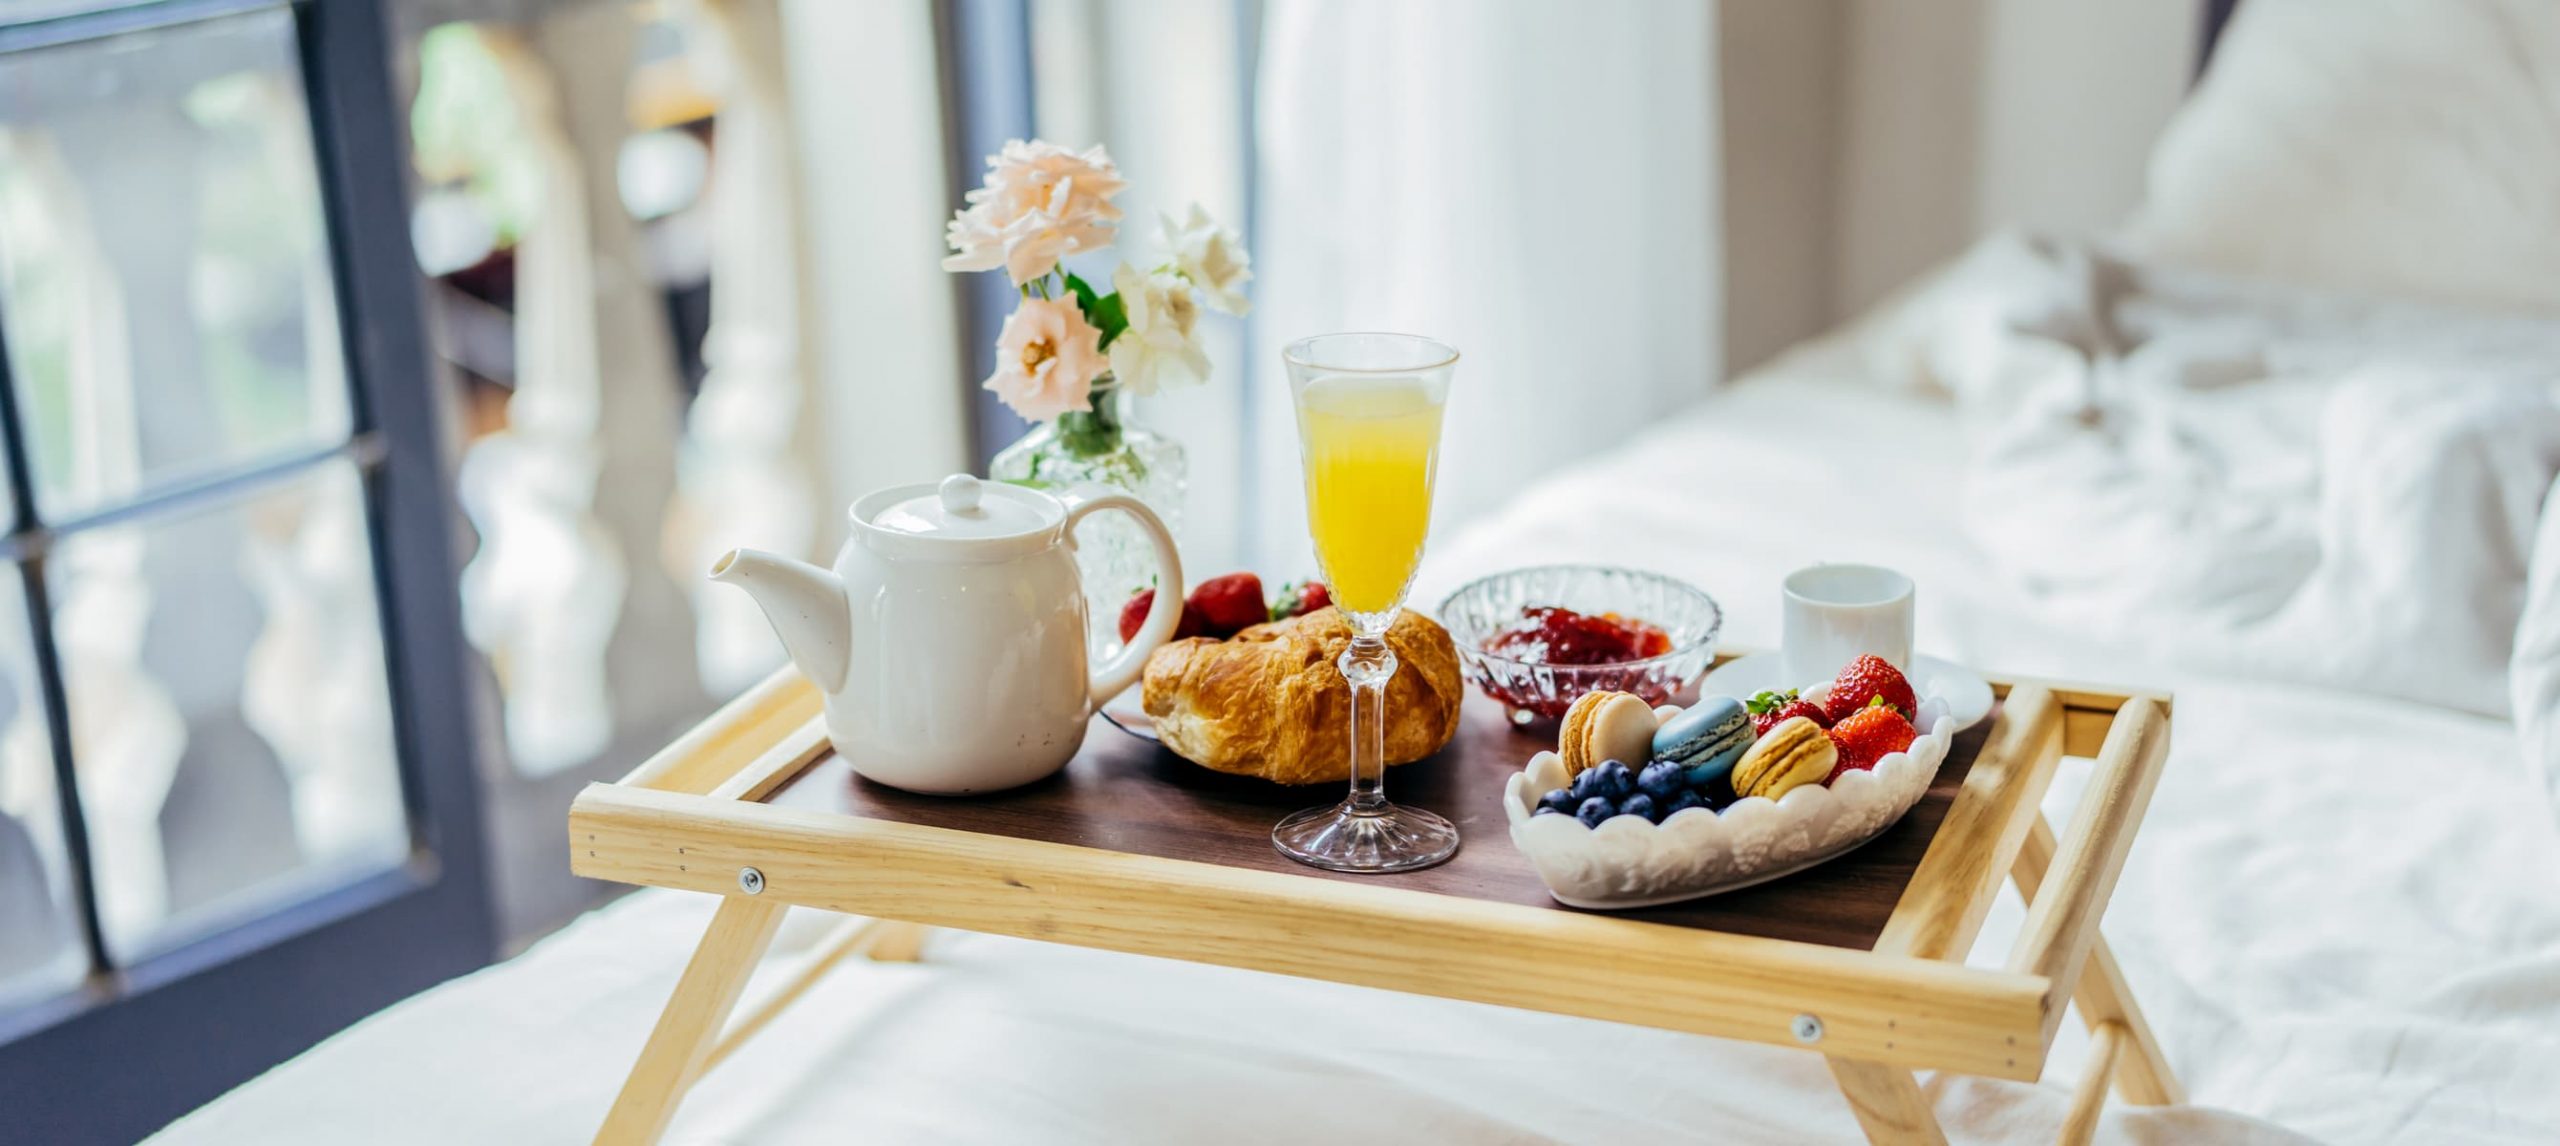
{"x": 898, "y": 942}
{"x": 1888, "y": 1103}
{"x": 686, "y": 1030}
{"x": 2080, "y": 1127}
{"x": 2142, "y": 1077}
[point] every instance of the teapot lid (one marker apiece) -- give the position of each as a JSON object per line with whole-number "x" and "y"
{"x": 961, "y": 508}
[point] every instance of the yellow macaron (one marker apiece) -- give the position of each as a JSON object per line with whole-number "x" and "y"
{"x": 1795, "y": 753}
{"x": 1604, "y": 726}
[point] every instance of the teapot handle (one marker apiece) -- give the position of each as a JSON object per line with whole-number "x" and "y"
{"x": 1123, "y": 670}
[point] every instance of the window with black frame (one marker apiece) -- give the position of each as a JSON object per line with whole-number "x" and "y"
{"x": 229, "y": 674}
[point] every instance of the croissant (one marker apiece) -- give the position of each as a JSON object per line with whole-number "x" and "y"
{"x": 1269, "y": 702}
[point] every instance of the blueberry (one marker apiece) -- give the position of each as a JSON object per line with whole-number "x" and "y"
{"x": 1547, "y": 811}
{"x": 1558, "y": 800}
{"x": 1682, "y": 802}
{"x": 1716, "y": 791}
{"x": 1586, "y": 784}
{"x": 1639, "y": 805}
{"x": 1662, "y": 780}
{"x": 1613, "y": 781}
{"x": 1594, "y": 810}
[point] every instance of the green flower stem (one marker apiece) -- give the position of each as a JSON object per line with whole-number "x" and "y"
{"x": 1089, "y": 433}
{"x": 1084, "y": 446}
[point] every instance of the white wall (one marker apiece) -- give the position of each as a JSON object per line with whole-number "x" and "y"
{"x": 2071, "y": 95}
{"x": 1945, "y": 120}
{"x": 1784, "y": 80}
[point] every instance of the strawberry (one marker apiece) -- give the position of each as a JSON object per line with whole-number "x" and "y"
{"x": 1133, "y": 616}
{"x": 1133, "y": 613}
{"x": 1230, "y": 604}
{"x": 1862, "y": 681}
{"x": 1769, "y": 709}
{"x": 1300, "y": 600}
{"x": 1869, "y": 735}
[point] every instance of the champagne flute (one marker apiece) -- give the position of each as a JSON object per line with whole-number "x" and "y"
{"x": 1369, "y": 432}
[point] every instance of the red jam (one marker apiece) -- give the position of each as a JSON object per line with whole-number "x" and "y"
{"x": 1547, "y": 634}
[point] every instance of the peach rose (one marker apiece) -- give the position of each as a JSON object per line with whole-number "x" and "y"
{"x": 1040, "y": 203}
{"x": 1047, "y": 359}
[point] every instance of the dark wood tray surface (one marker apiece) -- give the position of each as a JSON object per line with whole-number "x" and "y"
{"x": 1125, "y": 794}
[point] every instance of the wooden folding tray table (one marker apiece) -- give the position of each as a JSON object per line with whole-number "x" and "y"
{"x": 1132, "y": 849}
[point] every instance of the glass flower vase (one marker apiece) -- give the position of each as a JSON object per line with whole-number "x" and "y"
{"x": 1104, "y": 447}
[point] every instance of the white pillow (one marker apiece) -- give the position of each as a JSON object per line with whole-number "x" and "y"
{"x": 2405, "y": 147}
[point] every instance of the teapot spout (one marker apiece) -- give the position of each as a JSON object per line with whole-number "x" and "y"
{"x": 806, "y": 606}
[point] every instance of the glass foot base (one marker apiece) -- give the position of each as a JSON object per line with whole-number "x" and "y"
{"x": 1337, "y": 837}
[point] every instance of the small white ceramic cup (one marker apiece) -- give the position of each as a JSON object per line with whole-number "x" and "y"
{"x": 1837, "y": 613}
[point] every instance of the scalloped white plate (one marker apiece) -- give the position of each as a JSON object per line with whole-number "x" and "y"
{"x": 1627, "y": 862}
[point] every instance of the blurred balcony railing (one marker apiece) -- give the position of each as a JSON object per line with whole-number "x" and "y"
{"x": 660, "y": 352}
{"x": 603, "y": 474}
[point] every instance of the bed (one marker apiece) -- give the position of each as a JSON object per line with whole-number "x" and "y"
{"x": 2343, "y": 914}
{"x": 2317, "y": 951}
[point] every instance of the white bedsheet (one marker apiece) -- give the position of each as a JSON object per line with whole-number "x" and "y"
{"x": 2277, "y": 484}
{"x": 2342, "y": 916}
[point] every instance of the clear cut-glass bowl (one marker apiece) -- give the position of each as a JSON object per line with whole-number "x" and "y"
{"x": 1532, "y": 692}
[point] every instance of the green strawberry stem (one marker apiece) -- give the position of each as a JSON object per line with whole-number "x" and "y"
{"x": 1767, "y": 701}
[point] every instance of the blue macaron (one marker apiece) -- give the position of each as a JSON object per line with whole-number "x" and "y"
{"x": 1707, "y": 739}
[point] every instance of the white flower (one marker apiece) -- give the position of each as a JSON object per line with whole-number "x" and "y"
{"x": 1156, "y": 349}
{"x": 1209, "y": 255}
{"x": 1040, "y": 201}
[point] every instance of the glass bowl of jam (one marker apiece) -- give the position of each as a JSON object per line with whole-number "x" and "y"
{"x": 1537, "y": 639}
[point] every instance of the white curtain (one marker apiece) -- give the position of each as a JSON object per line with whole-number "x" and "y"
{"x": 1162, "y": 84}
{"x": 1535, "y": 183}
{"x": 881, "y": 338}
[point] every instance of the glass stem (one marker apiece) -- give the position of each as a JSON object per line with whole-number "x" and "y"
{"x": 1367, "y": 664}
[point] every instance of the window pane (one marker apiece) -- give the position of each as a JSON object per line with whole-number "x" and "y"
{"x": 164, "y": 267}
{"x": 230, "y": 718}
{"x": 40, "y": 951}
{"x": 28, "y": 11}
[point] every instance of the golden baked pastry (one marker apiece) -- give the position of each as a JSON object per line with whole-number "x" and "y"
{"x": 1270, "y": 703}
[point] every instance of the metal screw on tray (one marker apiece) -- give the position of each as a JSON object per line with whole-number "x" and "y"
{"x": 750, "y": 881}
{"x": 1808, "y": 1028}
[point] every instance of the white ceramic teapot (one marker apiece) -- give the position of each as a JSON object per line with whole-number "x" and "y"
{"x": 949, "y": 640}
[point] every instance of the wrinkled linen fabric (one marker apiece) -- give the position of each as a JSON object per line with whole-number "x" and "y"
{"x": 2534, "y": 673}
{"x": 2293, "y": 486}
{"x": 1005, "y": 1041}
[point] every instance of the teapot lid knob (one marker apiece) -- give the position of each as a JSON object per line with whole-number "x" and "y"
{"x": 960, "y": 508}
{"x": 960, "y": 494}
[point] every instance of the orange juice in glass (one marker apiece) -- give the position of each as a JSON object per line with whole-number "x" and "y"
{"x": 1369, "y": 410}
{"x": 1370, "y": 444}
